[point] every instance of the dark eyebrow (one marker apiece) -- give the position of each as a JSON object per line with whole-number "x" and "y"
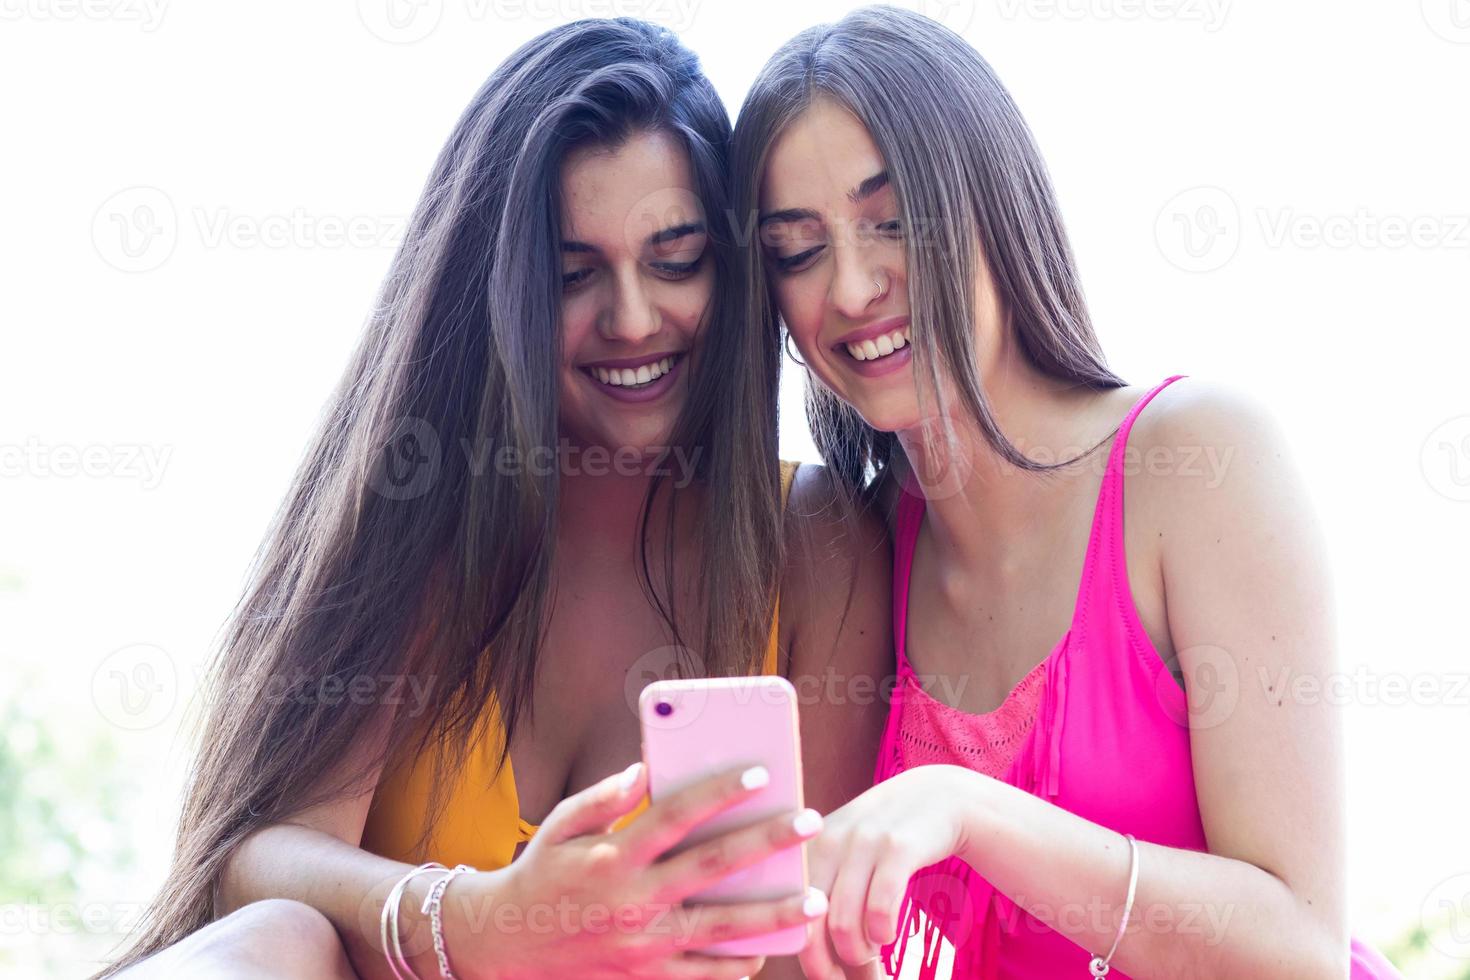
{"x": 790, "y": 214}
{"x": 868, "y": 188}
{"x": 858, "y": 194}
{"x": 657, "y": 238}
{"x": 676, "y": 232}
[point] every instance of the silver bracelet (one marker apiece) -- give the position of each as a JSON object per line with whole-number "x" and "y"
{"x": 433, "y": 905}
{"x": 388, "y": 924}
{"x": 1099, "y": 967}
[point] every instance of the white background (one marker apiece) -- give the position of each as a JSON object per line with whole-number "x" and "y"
{"x": 1269, "y": 194}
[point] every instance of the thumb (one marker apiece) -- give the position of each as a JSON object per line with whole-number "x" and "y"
{"x": 594, "y": 809}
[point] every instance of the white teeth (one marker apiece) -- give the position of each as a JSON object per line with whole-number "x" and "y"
{"x": 868, "y": 350}
{"x": 643, "y": 374}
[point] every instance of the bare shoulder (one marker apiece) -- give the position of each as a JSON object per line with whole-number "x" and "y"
{"x": 838, "y": 564}
{"x": 1213, "y": 473}
{"x": 823, "y": 526}
{"x": 1205, "y": 408}
{"x": 1202, "y": 443}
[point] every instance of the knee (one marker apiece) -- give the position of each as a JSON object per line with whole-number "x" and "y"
{"x": 273, "y": 937}
{"x": 280, "y": 920}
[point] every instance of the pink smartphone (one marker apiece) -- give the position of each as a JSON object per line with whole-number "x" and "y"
{"x": 693, "y": 729}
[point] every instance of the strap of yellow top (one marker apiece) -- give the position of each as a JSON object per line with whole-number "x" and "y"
{"x": 770, "y": 666}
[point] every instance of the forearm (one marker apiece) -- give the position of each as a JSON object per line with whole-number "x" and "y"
{"x": 345, "y": 883}
{"x": 789, "y": 968}
{"x": 1194, "y": 914}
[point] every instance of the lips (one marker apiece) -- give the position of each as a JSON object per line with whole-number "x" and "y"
{"x": 635, "y": 379}
{"x": 876, "y": 349}
{"x": 881, "y": 346}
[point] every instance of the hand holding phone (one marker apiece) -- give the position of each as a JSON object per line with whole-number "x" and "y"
{"x": 694, "y": 729}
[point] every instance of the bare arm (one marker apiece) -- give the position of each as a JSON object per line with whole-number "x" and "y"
{"x": 1249, "y": 611}
{"x": 1247, "y": 606}
{"x": 316, "y": 858}
{"x": 513, "y": 922}
{"x": 837, "y": 640}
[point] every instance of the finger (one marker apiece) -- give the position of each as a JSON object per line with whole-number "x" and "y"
{"x": 845, "y": 917}
{"x": 702, "y": 865}
{"x": 816, "y": 959}
{"x": 695, "y": 966}
{"x": 594, "y": 809}
{"x": 885, "y": 895}
{"x": 701, "y": 926}
{"x": 667, "y": 821}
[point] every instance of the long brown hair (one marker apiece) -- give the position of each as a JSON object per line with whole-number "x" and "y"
{"x": 391, "y": 556}
{"x": 967, "y": 173}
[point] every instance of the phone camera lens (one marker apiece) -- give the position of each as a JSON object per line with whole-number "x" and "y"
{"x": 664, "y": 709}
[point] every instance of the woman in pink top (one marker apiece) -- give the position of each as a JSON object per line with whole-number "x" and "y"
{"x": 1092, "y": 714}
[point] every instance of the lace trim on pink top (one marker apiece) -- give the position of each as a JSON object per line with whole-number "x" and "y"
{"x": 933, "y": 733}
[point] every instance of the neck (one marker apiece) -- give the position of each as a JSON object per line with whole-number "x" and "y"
{"x": 978, "y": 504}
{"x": 600, "y": 508}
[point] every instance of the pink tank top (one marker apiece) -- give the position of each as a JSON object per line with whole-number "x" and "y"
{"x": 1100, "y": 728}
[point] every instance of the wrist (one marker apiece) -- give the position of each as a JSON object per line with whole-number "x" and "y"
{"x": 977, "y": 807}
{"x": 472, "y": 940}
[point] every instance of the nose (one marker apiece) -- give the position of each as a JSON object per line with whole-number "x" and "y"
{"x": 632, "y": 316}
{"x": 854, "y": 283}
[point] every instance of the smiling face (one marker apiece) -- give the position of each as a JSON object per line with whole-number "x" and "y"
{"x": 636, "y": 283}
{"x": 835, "y": 253}
{"x": 834, "y": 250}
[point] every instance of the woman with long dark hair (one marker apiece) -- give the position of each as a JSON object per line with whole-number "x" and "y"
{"x": 1037, "y": 796}
{"x": 548, "y": 476}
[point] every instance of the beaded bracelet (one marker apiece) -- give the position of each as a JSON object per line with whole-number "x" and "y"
{"x": 388, "y": 924}
{"x": 433, "y": 905}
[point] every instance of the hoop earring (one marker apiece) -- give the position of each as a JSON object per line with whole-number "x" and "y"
{"x": 787, "y": 344}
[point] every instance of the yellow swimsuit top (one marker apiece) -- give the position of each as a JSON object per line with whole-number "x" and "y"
{"x": 481, "y": 824}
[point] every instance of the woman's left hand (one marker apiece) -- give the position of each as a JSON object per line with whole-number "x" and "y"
{"x": 869, "y": 848}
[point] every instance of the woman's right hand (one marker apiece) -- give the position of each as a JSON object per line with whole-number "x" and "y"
{"x": 585, "y": 900}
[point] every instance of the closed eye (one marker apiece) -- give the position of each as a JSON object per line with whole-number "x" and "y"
{"x": 675, "y": 271}
{"x": 794, "y": 263}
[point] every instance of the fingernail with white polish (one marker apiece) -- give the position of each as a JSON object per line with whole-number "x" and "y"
{"x": 815, "y": 903}
{"x": 807, "y": 823}
{"x": 629, "y": 777}
{"x": 755, "y": 777}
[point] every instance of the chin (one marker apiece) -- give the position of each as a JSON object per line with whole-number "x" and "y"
{"x": 644, "y": 439}
{"x": 889, "y": 415}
